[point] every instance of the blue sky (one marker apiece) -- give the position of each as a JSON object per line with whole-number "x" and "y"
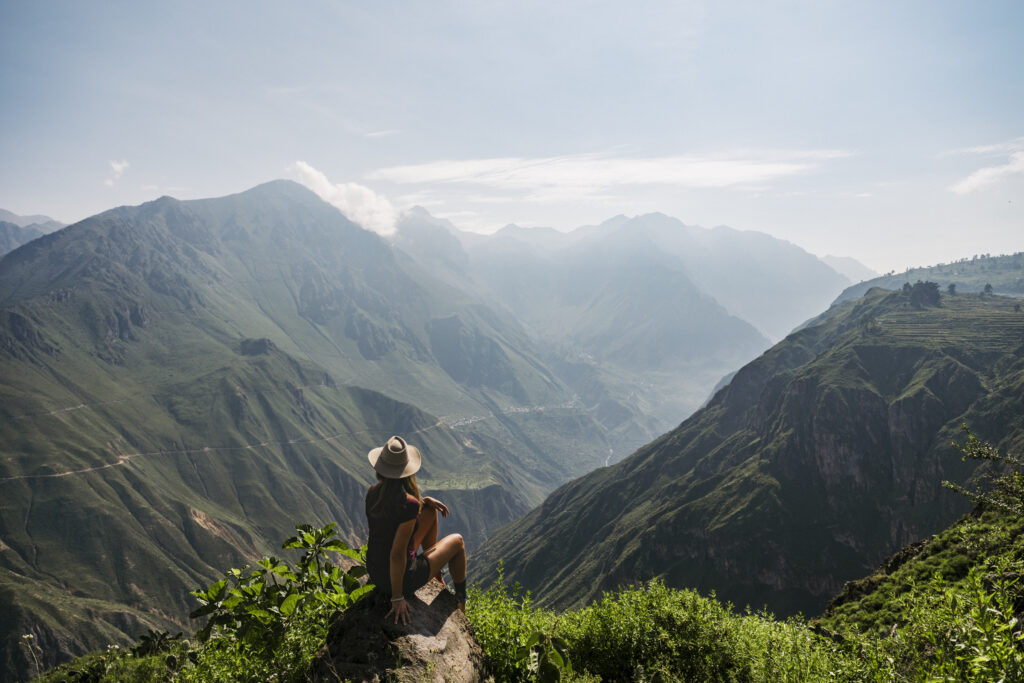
{"x": 892, "y": 132}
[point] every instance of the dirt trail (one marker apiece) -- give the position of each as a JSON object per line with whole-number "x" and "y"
{"x": 125, "y": 458}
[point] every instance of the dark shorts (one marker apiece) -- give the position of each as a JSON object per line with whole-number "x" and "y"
{"x": 417, "y": 575}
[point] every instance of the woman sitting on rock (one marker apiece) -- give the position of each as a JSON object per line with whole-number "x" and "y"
{"x": 402, "y": 521}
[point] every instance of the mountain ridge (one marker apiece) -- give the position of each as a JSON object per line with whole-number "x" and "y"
{"x": 183, "y": 381}
{"x": 817, "y": 460}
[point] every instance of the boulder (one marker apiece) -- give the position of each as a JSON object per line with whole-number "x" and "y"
{"x": 436, "y": 645}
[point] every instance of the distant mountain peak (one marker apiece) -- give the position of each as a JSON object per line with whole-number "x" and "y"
{"x": 280, "y": 187}
{"x": 39, "y": 222}
{"x": 850, "y": 267}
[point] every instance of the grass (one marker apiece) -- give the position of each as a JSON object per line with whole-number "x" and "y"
{"x": 654, "y": 633}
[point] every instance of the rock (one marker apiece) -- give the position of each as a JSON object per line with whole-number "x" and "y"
{"x": 437, "y": 644}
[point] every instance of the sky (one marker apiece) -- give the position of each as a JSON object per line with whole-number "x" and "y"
{"x": 891, "y": 132}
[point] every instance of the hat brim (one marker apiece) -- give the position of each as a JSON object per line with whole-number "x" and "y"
{"x": 389, "y": 471}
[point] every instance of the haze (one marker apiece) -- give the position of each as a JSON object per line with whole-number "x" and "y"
{"x": 889, "y": 132}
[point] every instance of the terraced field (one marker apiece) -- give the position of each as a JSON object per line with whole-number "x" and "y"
{"x": 994, "y": 326}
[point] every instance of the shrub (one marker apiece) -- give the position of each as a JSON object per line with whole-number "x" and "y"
{"x": 654, "y": 633}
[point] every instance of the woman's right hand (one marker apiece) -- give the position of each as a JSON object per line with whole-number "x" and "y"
{"x": 400, "y": 608}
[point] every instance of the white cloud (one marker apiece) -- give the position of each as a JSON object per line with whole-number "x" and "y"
{"x": 989, "y": 175}
{"x": 555, "y": 179}
{"x": 1011, "y": 151}
{"x": 1014, "y": 145}
{"x": 117, "y": 169}
{"x": 383, "y": 133}
{"x": 359, "y": 203}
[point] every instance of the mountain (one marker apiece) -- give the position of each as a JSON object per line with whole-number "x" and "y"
{"x": 769, "y": 283}
{"x": 43, "y": 224}
{"x": 819, "y": 459}
{"x": 641, "y": 316}
{"x": 850, "y": 268}
{"x": 1005, "y": 273}
{"x": 183, "y": 381}
{"x": 16, "y": 230}
{"x": 13, "y": 236}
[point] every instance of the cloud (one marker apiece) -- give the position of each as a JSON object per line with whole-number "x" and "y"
{"x": 359, "y": 203}
{"x": 1014, "y": 145}
{"x": 117, "y": 170}
{"x": 984, "y": 177}
{"x": 554, "y": 179}
{"x": 383, "y": 133}
{"x": 1011, "y": 150}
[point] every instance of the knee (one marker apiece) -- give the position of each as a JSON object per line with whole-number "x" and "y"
{"x": 459, "y": 543}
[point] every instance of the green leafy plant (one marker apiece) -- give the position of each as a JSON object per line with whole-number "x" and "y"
{"x": 1001, "y": 484}
{"x": 547, "y": 657}
{"x": 254, "y": 605}
{"x": 269, "y": 619}
{"x": 154, "y": 642}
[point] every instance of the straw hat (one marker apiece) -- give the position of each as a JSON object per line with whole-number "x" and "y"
{"x": 396, "y": 459}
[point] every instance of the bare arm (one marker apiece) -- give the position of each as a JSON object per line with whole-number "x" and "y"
{"x": 399, "y": 553}
{"x": 436, "y": 504}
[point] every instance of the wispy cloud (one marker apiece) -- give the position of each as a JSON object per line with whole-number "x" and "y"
{"x": 360, "y": 204}
{"x": 552, "y": 179}
{"x": 383, "y": 133}
{"x": 117, "y": 169}
{"x": 1012, "y": 154}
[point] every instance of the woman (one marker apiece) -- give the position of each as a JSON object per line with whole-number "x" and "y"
{"x": 401, "y": 521}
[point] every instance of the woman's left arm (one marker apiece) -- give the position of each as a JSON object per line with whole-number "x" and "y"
{"x": 398, "y": 558}
{"x": 436, "y": 504}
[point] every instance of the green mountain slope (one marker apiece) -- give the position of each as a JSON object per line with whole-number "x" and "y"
{"x": 819, "y": 459}
{"x": 874, "y": 603}
{"x": 181, "y": 382}
{"x": 1005, "y": 273}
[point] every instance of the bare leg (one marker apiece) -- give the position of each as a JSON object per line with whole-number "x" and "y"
{"x": 426, "y": 529}
{"x": 450, "y": 550}
{"x": 425, "y": 535}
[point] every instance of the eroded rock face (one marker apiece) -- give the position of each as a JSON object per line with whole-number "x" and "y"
{"x": 436, "y": 645}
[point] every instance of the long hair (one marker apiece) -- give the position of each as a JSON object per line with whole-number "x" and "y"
{"x": 390, "y": 493}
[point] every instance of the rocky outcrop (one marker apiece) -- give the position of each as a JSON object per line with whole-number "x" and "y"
{"x": 436, "y": 645}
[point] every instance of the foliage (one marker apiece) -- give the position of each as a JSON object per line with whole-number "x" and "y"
{"x": 257, "y": 613}
{"x": 951, "y": 608}
{"x": 650, "y": 633}
{"x": 119, "y": 665}
{"x": 1002, "y": 483}
{"x": 953, "y": 632}
{"x": 264, "y": 622}
{"x": 503, "y": 619}
{"x": 922, "y": 294}
{"x": 547, "y": 657}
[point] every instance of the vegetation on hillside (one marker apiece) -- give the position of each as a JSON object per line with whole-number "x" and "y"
{"x": 262, "y": 622}
{"x": 829, "y": 448}
{"x": 982, "y": 273}
{"x": 181, "y": 380}
{"x": 950, "y": 607}
{"x": 945, "y": 609}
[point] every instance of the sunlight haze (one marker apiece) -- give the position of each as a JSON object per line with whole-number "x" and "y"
{"x": 887, "y": 132}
